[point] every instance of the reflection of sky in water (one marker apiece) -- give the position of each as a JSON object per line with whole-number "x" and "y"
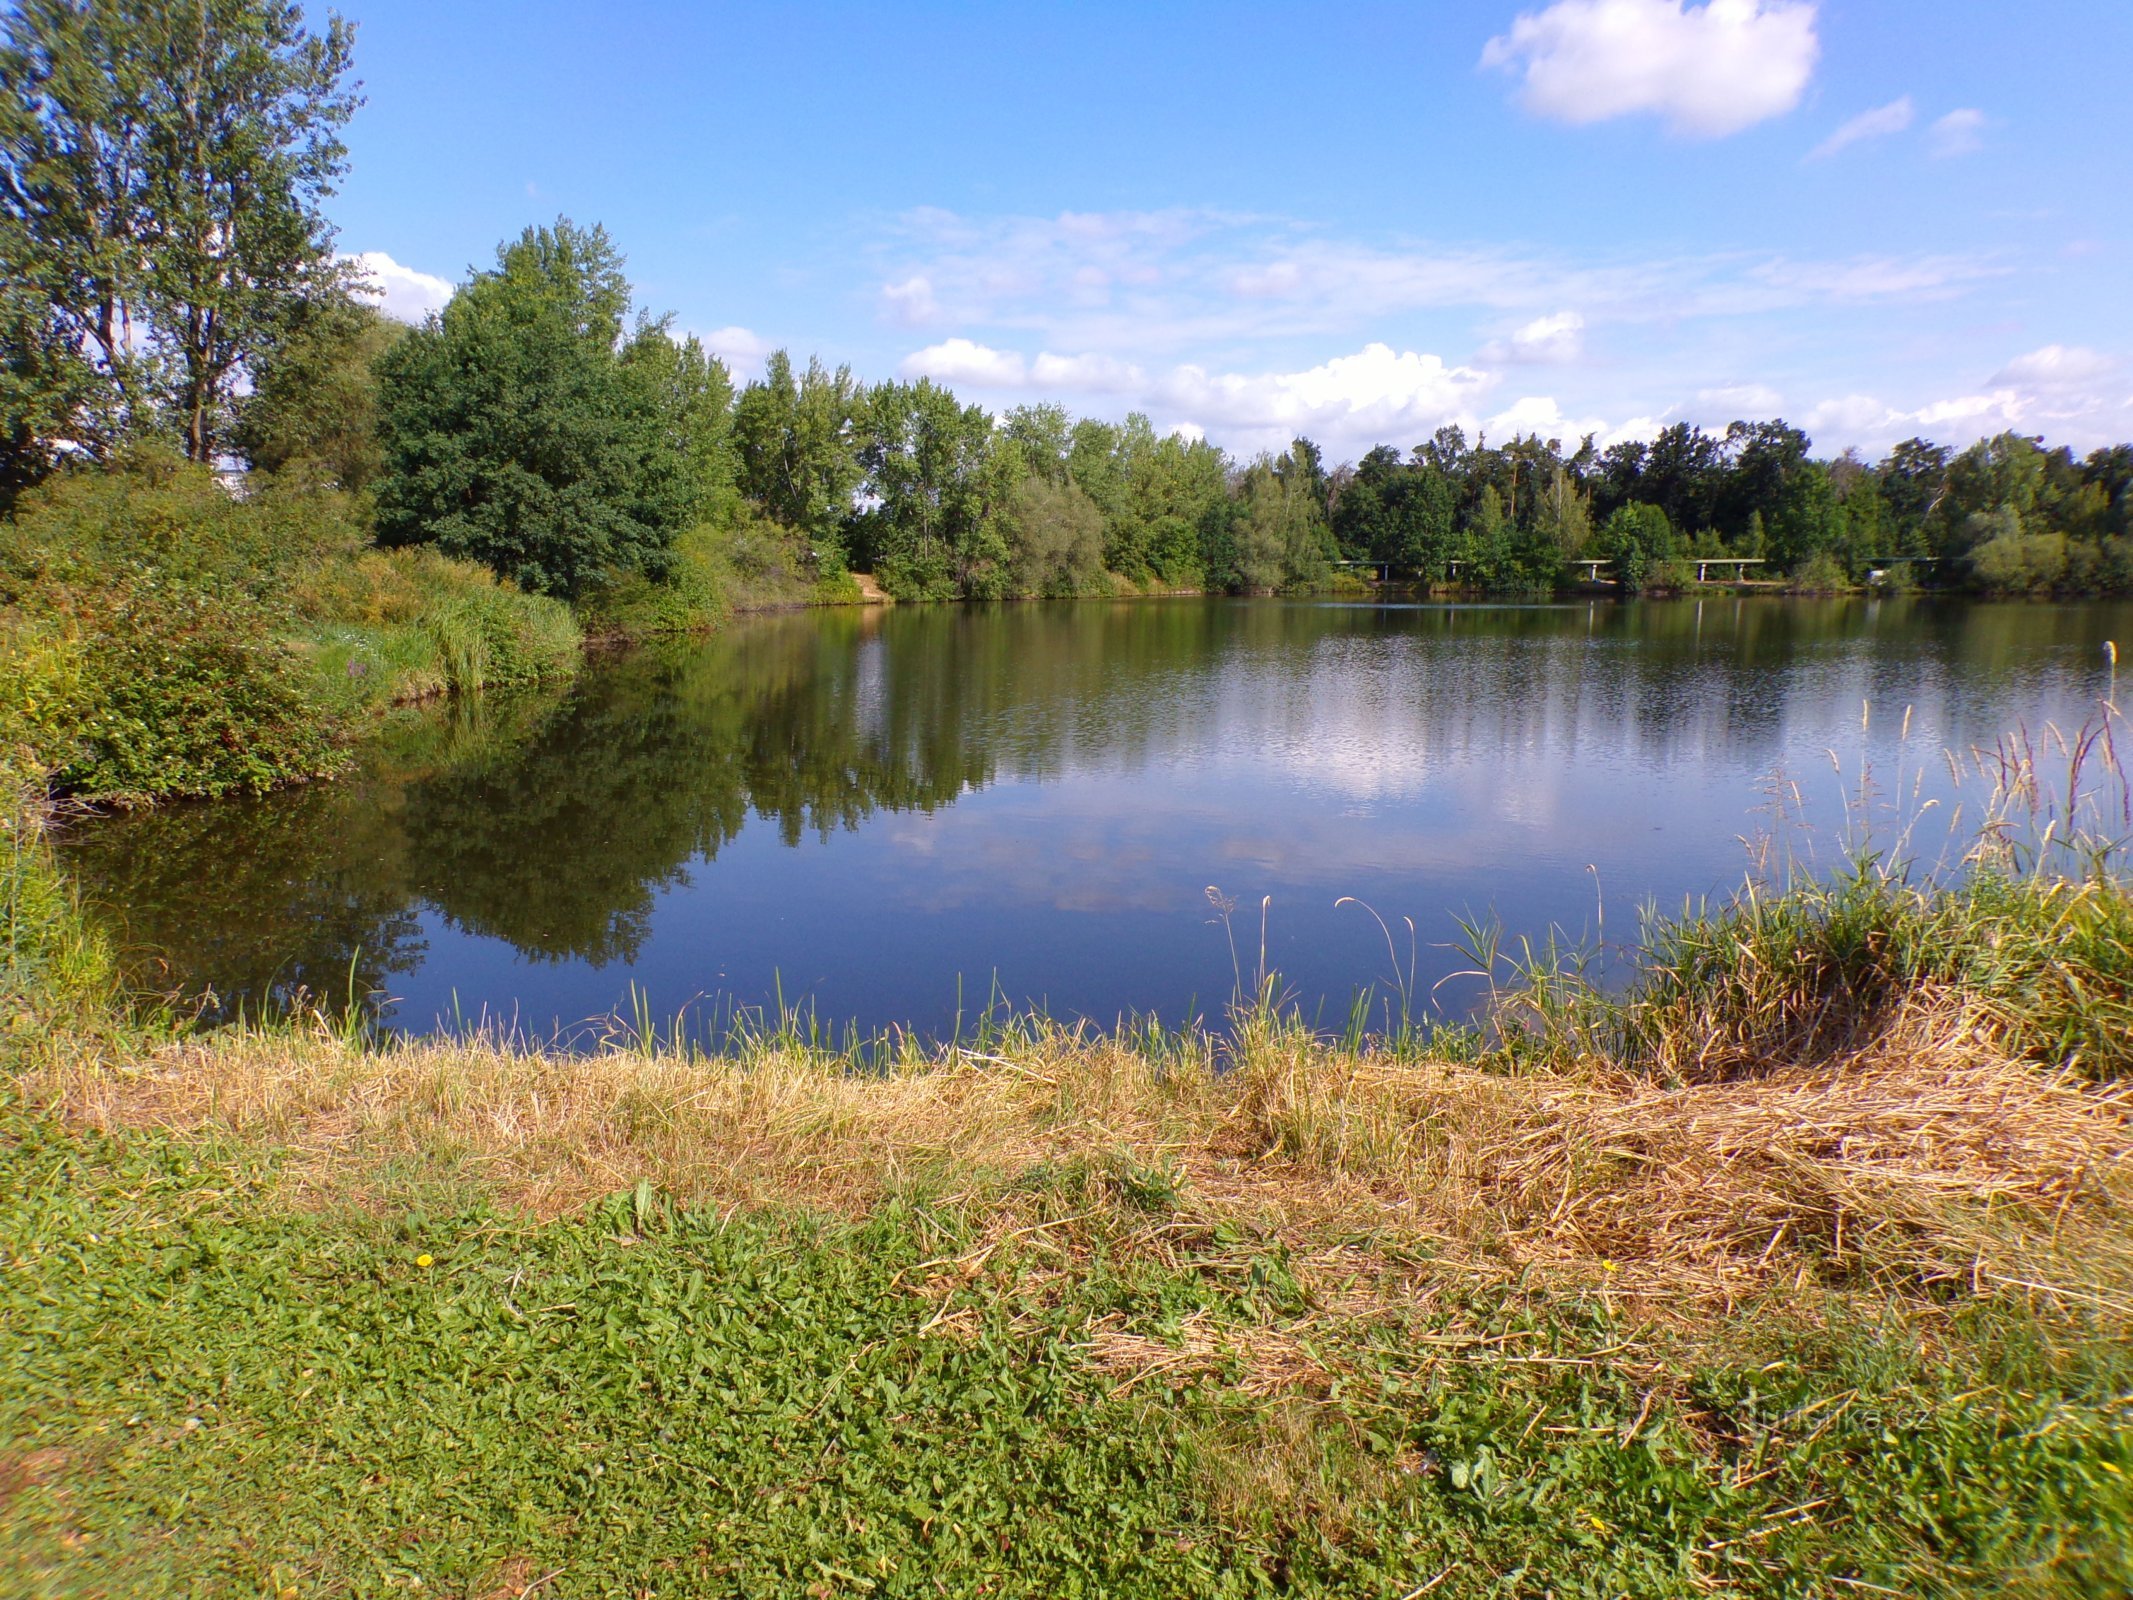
{"x": 1092, "y": 771}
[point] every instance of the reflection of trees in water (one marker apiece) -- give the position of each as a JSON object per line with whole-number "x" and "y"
{"x": 553, "y": 822}
{"x": 561, "y": 845}
{"x": 307, "y": 892}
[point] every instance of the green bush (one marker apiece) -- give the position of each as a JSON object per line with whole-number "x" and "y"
{"x": 1820, "y": 574}
{"x": 170, "y": 638}
{"x": 692, "y": 596}
{"x": 181, "y": 692}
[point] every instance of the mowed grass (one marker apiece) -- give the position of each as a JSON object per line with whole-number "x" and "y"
{"x": 1827, "y": 1308}
{"x": 215, "y": 1382}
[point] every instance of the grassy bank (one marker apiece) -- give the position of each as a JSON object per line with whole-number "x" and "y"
{"x": 160, "y": 636}
{"x": 1591, "y": 1306}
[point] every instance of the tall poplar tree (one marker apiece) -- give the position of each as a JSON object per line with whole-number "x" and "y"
{"x": 162, "y": 167}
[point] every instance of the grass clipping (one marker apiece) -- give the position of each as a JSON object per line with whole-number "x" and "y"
{"x": 1928, "y": 1163}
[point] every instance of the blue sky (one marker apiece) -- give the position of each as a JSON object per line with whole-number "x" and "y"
{"x": 1356, "y": 222}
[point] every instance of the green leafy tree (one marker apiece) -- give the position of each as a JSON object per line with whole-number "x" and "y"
{"x": 1636, "y": 538}
{"x": 1488, "y": 542}
{"x": 695, "y": 394}
{"x": 44, "y": 386}
{"x": 162, "y": 169}
{"x": 315, "y": 392}
{"x": 1054, "y": 536}
{"x": 926, "y": 531}
{"x": 796, "y": 450}
{"x": 1810, "y": 519}
{"x": 1281, "y": 537}
{"x": 516, "y": 432}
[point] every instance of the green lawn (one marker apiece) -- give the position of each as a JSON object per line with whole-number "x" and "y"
{"x": 208, "y": 1390}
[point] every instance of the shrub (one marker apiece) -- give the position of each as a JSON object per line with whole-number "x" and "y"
{"x": 172, "y": 690}
{"x": 1821, "y": 574}
{"x": 630, "y": 605}
{"x": 170, "y": 638}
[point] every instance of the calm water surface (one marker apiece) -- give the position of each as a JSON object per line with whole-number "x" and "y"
{"x": 889, "y": 816}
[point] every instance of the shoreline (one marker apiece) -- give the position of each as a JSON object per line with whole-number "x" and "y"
{"x": 1835, "y": 1202}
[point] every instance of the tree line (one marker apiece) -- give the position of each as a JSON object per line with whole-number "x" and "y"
{"x": 168, "y": 280}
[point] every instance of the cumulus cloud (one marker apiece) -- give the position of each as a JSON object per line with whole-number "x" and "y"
{"x": 1086, "y": 374}
{"x": 1738, "y": 401}
{"x": 1378, "y": 392}
{"x": 2057, "y": 367}
{"x": 741, "y": 349}
{"x": 965, "y": 361}
{"x": 1709, "y": 70}
{"x": 400, "y": 292}
{"x": 1348, "y": 403}
{"x": 1556, "y": 338}
{"x": 1878, "y": 123}
{"x": 2073, "y": 395}
{"x": 1959, "y": 133}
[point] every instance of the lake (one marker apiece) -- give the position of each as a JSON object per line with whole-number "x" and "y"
{"x": 890, "y": 816}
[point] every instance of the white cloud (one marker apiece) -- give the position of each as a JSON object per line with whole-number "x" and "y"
{"x": 910, "y": 302}
{"x": 1540, "y": 414}
{"x": 400, "y": 292}
{"x": 1959, "y": 133}
{"x": 2069, "y": 394}
{"x": 1878, "y": 123}
{"x": 742, "y": 350}
{"x": 1087, "y": 374}
{"x": 2057, "y": 367}
{"x": 964, "y": 361}
{"x": 1347, "y": 404}
{"x": 1741, "y": 400}
{"x": 1708, "y": 70}
{"x": 1556, "y": 338}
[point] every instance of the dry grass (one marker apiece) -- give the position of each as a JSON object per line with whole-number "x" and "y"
{"x": 1926, "y": 1162}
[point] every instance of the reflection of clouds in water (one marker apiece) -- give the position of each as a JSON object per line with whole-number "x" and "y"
{"x": 1102, "y": 844}
{"x": 1046, "y": 857}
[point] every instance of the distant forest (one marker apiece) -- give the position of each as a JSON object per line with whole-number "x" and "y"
{"x": 169, "y": 284}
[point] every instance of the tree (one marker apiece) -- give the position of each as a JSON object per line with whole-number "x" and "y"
{"x": 1810, "y": 520}
{"x": 1054, "y": 536}
{"x": 44, "y": 385}
{"x": 161, "y": 173}
{"x": 1281, "y": 534}
{"x": 796, "y": 451}
{"x": 315, "y": 392}
{"x": 516, "y": 433}
{"x": 926, "y": 531}
{"x": 1635, "y": 538}
{"x": 695, "y": 395}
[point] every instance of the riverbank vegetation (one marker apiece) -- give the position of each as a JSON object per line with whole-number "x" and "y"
{"x": 1797, "y": 1266}
{"x": 454, "y": 505}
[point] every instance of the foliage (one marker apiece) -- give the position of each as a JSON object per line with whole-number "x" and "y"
{"x": 1636, "y": 537}
{"x": 517, "y": 430}
{"x": 797, "y": 451}
{"x": 1280, "y": 533}
{"x": 1055, "y": 538}
{"x": 314, "y": 393}
{"x": 168, "y": 638}
{"x": 161, "y": 169}
{"x": 928, "y": 531}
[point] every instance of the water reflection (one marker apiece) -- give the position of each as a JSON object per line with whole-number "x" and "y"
{"x": 869, "y": 808}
